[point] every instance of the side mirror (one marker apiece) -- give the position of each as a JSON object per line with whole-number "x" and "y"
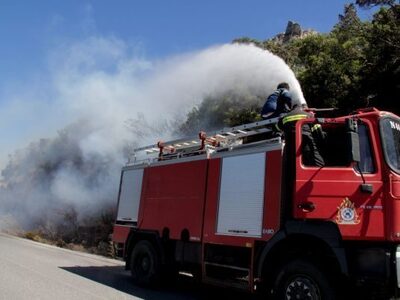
{"x": 353, "y": 140}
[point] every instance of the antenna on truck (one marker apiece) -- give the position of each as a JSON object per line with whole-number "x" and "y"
{"x": 315, "y": 110}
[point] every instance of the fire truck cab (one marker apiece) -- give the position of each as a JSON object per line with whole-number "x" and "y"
{"x": 241, "y": 209}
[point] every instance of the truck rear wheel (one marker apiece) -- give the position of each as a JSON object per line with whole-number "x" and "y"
{"x": 145, "y": 264}
{"x": 301, "y": 279}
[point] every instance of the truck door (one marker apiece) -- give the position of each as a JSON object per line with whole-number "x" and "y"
{"x": 336, "y": 191}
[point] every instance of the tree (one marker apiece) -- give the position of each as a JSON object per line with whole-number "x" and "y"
{"x": 381, "y": 75}
{"x": 349, "y": 25}
{"x": 331, "y": 64}
{"x": 230, "y": 109}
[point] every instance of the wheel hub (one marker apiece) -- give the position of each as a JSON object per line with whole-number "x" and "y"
{"x": 301, "y": 288}
{"x": 145, "y": 264}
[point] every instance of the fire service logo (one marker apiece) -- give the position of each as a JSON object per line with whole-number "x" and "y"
{"x": 347, "y": 213}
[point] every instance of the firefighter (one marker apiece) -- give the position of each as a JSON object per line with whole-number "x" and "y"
{"x": 312, "y": 136}
{"x": 296, "y": 113}
{"x": 278, "y": 103}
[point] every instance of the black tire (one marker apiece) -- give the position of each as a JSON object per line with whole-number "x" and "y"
{"x": 301, "y": 279}
{"x": 145, "y": 264}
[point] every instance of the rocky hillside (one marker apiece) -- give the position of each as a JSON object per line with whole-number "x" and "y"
{"x": 293, "y": 31}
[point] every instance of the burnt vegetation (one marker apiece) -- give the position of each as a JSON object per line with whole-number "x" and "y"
{"x": 59, "y": 195}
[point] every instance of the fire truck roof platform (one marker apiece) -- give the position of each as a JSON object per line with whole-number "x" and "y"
{"x": 227, "y": 139}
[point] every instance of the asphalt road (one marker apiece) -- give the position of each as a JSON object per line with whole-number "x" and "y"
{"x": 30, "y": 270}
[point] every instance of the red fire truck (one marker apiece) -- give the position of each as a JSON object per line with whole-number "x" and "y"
{"x": 239, "y": 209}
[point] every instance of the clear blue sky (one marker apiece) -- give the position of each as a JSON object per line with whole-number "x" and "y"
{"x": 28, "y": 29}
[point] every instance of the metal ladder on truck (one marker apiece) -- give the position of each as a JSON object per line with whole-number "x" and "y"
{"x": 223, "y": 140}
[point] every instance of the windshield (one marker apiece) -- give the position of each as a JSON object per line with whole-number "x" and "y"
{"x": 390, "y": 132}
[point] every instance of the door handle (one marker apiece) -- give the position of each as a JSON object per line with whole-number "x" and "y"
{"x": 306, "y": 206}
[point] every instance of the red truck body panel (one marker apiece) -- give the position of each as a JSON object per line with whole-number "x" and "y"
{"x": 120, "y": 233}
{"x": 173, "y": 197}
{"x": 393, "y": 207}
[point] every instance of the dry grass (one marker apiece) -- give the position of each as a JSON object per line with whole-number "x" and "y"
{"x": 34, "y": 236}
{"x": 93, "y": 235}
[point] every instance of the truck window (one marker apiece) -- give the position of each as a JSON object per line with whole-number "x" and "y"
{"x": 366, "y": 164}
{"x": 390, "y": 135}
{"x": 330, "y": 145}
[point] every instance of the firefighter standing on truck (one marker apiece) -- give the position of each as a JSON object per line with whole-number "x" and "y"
{"x": 278, "y": 103}
{"x": 312, "y": 135}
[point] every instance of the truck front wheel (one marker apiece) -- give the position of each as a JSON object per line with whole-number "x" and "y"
{"x": 301, "y": 279}
{"x": 145, "y": 264}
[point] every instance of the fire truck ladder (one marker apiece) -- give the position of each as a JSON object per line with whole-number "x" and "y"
{"x": 222, "y": 140}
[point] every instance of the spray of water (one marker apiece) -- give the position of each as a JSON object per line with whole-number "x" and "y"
{"x": 92, "y": 90}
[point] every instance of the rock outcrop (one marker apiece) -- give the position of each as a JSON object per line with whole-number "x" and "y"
{"x": 293, "y": 31}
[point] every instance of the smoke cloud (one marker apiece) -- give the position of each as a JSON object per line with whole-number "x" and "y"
{"x": 99, "y": 98}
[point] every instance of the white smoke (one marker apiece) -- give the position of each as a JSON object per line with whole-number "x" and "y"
{"x": 96, "y": 86}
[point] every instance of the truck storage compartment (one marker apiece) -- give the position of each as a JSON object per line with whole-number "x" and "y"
{"x": 241, "y": 196}
{"x": 173, "y": 199}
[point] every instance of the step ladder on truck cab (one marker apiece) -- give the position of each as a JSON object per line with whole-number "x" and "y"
{"x": 227, "y": 139}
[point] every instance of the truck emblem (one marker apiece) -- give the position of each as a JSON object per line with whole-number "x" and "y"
{"x": 347, "y": 214}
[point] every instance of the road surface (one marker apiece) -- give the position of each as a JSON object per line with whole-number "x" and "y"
{"x": 30, "y": 270}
